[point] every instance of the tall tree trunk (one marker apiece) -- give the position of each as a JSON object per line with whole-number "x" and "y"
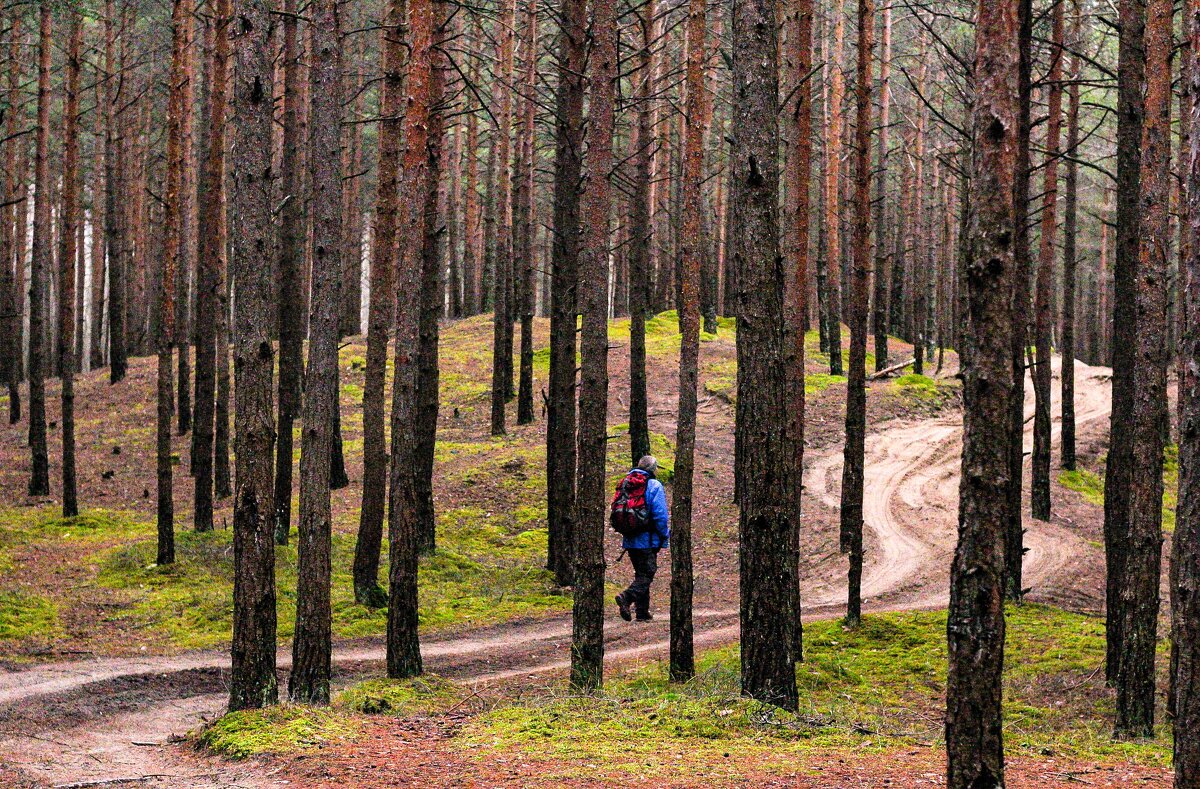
{"x": 12, "y": 306}
{"x": 1044, "y": 316}
{"x": 403, "y": 643}
{"x": 1143, "y": 548}
{"x": 187, "y": 237}
{"x": 312, "y": 646}
{"x": 797, "y": 68}
{"x": 975, "y": 629}
{"x": 431, "y": 299}
{"x": 381, "y": 309}
{"x": 860, "y": 288}
{"x": 766, "y": 456}
{"x": 352, "y": 215}
{"x": 43, "y": 261}
{"x": 210, "y": 265}
{"x": 587, "y": 643}
{"x": 882, "y": 259}
{"x": 66, "y": 264}
{"x": 252, "y": 679}
{"x": 1131, "y": 77}
{"x": 1070, "y": 228}
{"x": 641, "y": 232}
{"x": 472, "y": 257}
{"x": 114, "y": 169}
{"x": 503, "y": 267}
{"x": 173, "y": 260}
{"x": 833, "y": 194}
{"x": 524, "y": 208}
{"x": 683, "y": 662}
{"x": 1014, "y": 535}
{"x": 1185, "y": 546}
{"x": 561, "y": 410}
{"x": 95, "y": 339}
{"x": 291, "y": 261}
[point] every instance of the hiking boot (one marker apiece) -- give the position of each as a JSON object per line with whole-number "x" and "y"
{"x": 645, "y": 616}
{"x": 625, "y": 607}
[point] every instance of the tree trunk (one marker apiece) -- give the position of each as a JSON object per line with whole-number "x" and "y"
{"x": 1185, "y": 546}
{"x": 1044, "y": 317}
{"x": 561, "y": 408}
{"x": 833, "y": 194}
{"x": 291, "y": 261}
{"x": 503, "y": 257}
{"x": 431, "y": 303}
{"x": 587, "y": 643}
{"x": 683, "y": 661}
{"x": 312, "y": 645}
{"x": 1070, "y": 228}
{"x": 1143, "y": 546}
{"x": 524, "y": 207}
{"x": 12, "y": 307}
{"x": 187, "y": 239}
{"x": 381, "y": 308}
{"x": 975, "y": 628}
{"x": 210, "y": 265}
{"x": 252, "y": 680}
{"x": 860, "y": 288}
{"x": 1014, "y": 535}
{"x": 403, "y": 643}
{"x": 882, "y": 259}
{"x": 172, "y": 257}
{"x": 641, "y": 232}
{"x": 765, "y": 460}
{"x": 114, "y": 169}
{"x": 43, "y": 261}
{"x": 1131, "y": 77}
{"x": 66, "y": 265}
{"x": 797, "y": 67}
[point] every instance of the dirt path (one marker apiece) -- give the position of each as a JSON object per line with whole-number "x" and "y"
{"x": 106, "y": 720}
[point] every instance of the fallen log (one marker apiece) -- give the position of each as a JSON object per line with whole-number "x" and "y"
{"x": 888, "y": 371}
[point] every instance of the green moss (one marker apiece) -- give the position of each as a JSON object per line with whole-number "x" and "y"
{"x": 815, "y": 383}
{"x": 24, "y": 615}
{"x": 1082, "y": 481}
{"x": 429, "y": 693}
{"x": 921, "y": 390}
{"x": 878, "y": 686}
{"x": 285, "y": 729}
{"x": 1091, "y": 485}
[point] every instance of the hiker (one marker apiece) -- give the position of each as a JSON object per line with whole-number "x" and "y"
{"x": 640, "y": 516}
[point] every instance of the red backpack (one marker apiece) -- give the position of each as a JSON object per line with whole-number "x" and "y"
{"x": 629, "y": 515}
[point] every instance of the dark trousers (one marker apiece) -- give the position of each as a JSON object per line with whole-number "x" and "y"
{"x": 645, "y": 565}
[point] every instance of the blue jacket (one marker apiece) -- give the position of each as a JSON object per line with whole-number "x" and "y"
{"x": 659, "y": 533}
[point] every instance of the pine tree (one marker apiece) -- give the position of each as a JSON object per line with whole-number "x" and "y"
{"x": 43, "y": 260}
{"x": 765, "y": 457}
{"x": 975, "y": 625}
{"x": 312, "y": 645}
{"x": 587, "y": 643}
{"x": 860, "y": 284}
{"x": 252, "y": 679}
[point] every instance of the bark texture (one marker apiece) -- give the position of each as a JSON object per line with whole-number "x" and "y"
{"x": 561, "y": 408}
{"x": 587, "y": 638}
{"x": 1139, "y": 592}
{"x": 765, "y": 461}
{"x": 975, "y": 623}
{"x": 252, "y": 680}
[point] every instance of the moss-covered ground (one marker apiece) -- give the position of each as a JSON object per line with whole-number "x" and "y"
{"x": 879, "y": 688}
{"x": 1090, "y": 484}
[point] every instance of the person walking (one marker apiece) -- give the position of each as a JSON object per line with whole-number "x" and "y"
{"x": 641, "y": 516}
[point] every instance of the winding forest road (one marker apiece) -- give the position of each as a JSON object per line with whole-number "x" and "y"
{"x": 104, "y": 722}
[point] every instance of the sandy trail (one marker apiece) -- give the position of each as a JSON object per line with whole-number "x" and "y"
{"x": 910, "y": 512}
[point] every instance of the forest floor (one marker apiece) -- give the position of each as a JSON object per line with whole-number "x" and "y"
{"x": 496, "y": 629}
